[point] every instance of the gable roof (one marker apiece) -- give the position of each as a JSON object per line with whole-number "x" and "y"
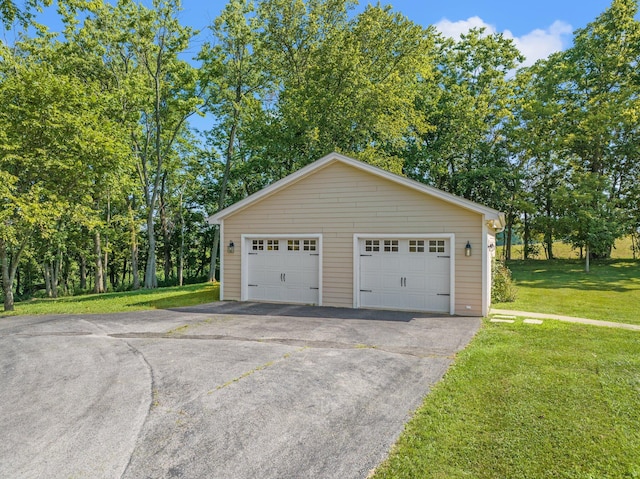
{"x": 495, "y": 217}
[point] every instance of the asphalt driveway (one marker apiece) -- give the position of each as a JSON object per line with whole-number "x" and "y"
{"x": 224, "y": 390}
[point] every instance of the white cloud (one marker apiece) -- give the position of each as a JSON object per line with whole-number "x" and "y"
{"x": 534, "y": 45}
{"x": 455, "y": 29}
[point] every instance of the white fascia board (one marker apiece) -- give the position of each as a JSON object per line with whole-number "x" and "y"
{"x": 221, "y": 246}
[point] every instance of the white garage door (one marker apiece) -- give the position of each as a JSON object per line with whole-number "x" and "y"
{"x": 412, "y": 274}
{"x": 283, "y": 270}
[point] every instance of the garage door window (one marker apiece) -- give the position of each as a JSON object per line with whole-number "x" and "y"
{"x": 436, "y": 246}
{"x": 416, "y": 246}
{"x": 257, "y": 245}
{"x": 391, "y": 246}
{"x": 309, "y": 245}
{"x": 372, "y": 245}
{"x": 293, "y": 245}
{"x": 273, "y": 245}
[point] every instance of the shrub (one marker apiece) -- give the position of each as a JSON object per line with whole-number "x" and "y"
{"x": 503, "y": 289}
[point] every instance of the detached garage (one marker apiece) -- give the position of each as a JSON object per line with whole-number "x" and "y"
{"x": 341, "y": 232}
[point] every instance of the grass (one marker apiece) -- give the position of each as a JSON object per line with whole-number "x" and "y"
{"x": 522, "y": 401}
{"x": 610, "y": 292}
{"x": 160, "y": 298}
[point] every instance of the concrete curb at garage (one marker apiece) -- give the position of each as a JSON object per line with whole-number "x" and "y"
{"x": 568, "y": 319}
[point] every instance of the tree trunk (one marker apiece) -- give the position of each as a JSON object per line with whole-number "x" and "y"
{"x": 9, "y": 270}
{"x": 150, "y": 279}
{"x": 214, "y": 254}
{"x": 105, "y": 264}
{"x": 46, "y": 272}
{"x": 134, "y": 265}
{"x": 113, "y": 277}
{"x": 83, "y": 272}
{"x": 548, "y": 234}
{"x": 65, "y": 272}
{"x": 181, "y": 253}
{"x": 166, "y": 234}
{"x": 527, "y": 236}
{"x": 134, "y": 251}
{"x": 56, "y": 270}
{"x": 225, "y": 180}
{"x": 507, "y": 238}
{"x": 587, "y": 256}
{"x": 99, "y": 272}
{"x": 7, "y": 290}
{"x": 125, "y": 269}
{"x": 54, "y": 278}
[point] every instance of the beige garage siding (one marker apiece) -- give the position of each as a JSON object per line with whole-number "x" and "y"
{"x": 339, "y": 201}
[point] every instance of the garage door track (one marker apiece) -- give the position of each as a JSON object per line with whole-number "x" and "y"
{"x": 224, "y": 390}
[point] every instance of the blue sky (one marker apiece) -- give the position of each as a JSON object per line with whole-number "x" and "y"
{"x": 538, "y": 27}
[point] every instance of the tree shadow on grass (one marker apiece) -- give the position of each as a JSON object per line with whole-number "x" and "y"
{"x": 613, "y": 275}
{"x": 181, "y": 300}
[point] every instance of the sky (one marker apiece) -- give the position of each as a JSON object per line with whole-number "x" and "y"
{"x": 538, "y": 27}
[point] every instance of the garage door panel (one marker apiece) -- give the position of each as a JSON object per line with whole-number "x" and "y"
{"x": 282, "y": 270}
{"x": 405, "y": 274}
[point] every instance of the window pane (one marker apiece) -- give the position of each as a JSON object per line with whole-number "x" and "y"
{"x": 293, "y": 245}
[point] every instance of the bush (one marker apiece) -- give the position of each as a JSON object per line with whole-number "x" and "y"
{"x": 503, "y": 289}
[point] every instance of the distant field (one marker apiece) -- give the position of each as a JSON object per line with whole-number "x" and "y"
{"x": 622, "y": 250}
{"x": 143, "y": 299}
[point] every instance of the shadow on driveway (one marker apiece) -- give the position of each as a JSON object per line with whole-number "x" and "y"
{"x": 304, "y": 311}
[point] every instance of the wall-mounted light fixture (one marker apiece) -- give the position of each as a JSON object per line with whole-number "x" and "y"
{"x": 492, "y": 247}
{"x": 231, "y": 247}
{"x": 467, "y": 249}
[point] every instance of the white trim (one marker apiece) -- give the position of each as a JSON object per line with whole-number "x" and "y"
{"x": 244, "y": 260}
{"x": 222, "y": 251}
{"x": 496, "y": 217}
{"x": 452, "y": 257}
{"x": 486, "y": 269}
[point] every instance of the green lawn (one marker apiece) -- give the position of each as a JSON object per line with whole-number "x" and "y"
{"x": 120, "y": 302}
{"x": 525, "y": 401}
{"x": 611, "y": 291}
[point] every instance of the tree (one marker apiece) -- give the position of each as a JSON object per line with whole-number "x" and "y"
{"x": 534, "y": 136}
{"x": 344, "y": 85}
{"x": 57, "y": 145}
{"x": 575, "y": 134}
{"x": 469, "y": 105}
{"x": 233, "y": 79}
{"x": 10, "y": 12}
{"x": 589, "y": 219}
{"x": 170, "y": 100}
{"x": 137, "y": 50}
